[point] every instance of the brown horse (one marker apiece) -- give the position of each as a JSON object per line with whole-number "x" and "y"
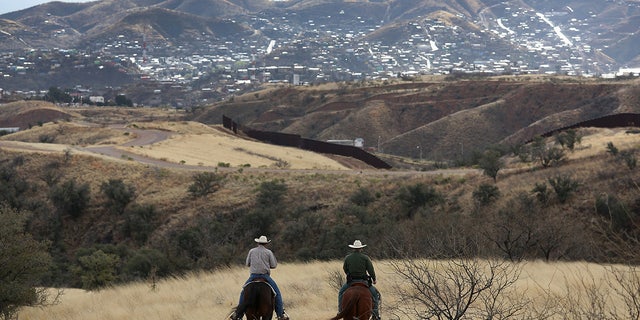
{"x": 258, "y": 301}
{"x": 357, "y": 303}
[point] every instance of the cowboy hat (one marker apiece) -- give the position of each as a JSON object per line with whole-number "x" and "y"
{"x": 262, "y": 239}
{"x": 357, "y": 245}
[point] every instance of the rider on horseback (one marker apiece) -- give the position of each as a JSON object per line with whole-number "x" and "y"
{"x": 260, "y": 261}
{"x": 358, "y": 268}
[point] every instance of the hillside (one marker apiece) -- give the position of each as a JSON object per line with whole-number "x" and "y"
{"x": 612, "y": 29}
{"x": 197, "y": 214}
{"x": 436, "y": 118}
{"x": 187, "y": 144}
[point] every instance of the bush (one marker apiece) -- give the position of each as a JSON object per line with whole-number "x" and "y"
{"x": 140, "y": 222}
{"x": 541, "y": 192}
{"x": 417, "y": 196}
{"x": 97, "y": 270}
{"x": 23, "y": 262}
{"x": 70, "y": 199}
{"x": 144, "y": 262}
{"x": 564, "y": 186}
{"x": 362, "y": 197}
{"x": 568, "y": 139}
{"x": 205, "y": 183}
{"x": 12, "y": 187}
{"x": 614, "y": 210}
{"x": 270, "y": 193}
{"x": 613, "y": 150}
{"x": 490, "y": 163}
{"x": 486, "y": 194}
{"x": 118, "y": 194}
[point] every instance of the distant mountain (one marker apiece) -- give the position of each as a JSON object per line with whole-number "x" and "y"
{"x": 345, "y": 40}
{"x": 613, "y": 26}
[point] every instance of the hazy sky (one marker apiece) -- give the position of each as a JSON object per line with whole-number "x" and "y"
{"x": 15, "y": 5}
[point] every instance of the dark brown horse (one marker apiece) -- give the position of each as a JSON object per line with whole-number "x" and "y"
{"x": 258, "y": 301}
{"x": 356, "y": 303}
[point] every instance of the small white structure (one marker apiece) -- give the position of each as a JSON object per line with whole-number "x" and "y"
{"x": 96, "y": 99}
{"x": 358, "y": 142}
{"x": 10, "y": 129}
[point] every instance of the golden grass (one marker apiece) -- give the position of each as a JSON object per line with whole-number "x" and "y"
{"x": 192, "y": 143}
{"x": 305, "y": 287}
{"x": 211, "y": 149}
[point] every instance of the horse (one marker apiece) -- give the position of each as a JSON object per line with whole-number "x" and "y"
{"x": 258, "y": 301}
{"x": 357, "y": 303}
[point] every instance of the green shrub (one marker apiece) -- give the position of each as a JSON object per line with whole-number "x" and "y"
{"x": 140, "y": 222}
{"x": 12, "y": 187}
{"x": 23, "y": 263}
{"x": 118, "y": 194}
{"x": 541, "y": 192}
{"x": 97, "y": 270}
{"x": 144, "y": 262}
{"x": 70, "y": 199}
{"x": 417, "y": 196}
{"x": 486, "y": 194}
{"x": 615, "y": 211}
{"x": 205, "y": 183}
{"x": 613, "y": 150}
{"x": 270, "y": 193}
{"x": 362, "y": 197}
{"x": 564, "y": 186}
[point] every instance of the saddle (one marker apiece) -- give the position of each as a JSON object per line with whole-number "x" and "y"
{"x": 366, "y": 281}
{"x": 263, "y": 280}
{"x": 359, "y": 283}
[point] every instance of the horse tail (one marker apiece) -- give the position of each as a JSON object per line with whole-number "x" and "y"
{"x": 346, "y": 307}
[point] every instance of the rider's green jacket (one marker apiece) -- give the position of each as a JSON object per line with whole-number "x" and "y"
{"x": 357, "y": 265}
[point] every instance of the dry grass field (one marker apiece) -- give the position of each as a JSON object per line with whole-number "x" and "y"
{"x": 308, "y": 293}
{"x": 188, "y": 143}
{"x": 197, "y": 144}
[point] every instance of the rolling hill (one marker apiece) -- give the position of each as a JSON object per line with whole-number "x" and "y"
{"x": 437, "y": 118}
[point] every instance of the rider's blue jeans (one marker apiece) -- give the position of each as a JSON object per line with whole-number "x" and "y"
{"x": 279, "y": 304}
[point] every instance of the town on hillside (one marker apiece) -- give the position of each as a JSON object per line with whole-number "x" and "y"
{"x": 207, "y": 69}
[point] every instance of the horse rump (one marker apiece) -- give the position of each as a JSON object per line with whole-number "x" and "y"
{"x": 258, "y": 301}
{"x": 357, "y": 303}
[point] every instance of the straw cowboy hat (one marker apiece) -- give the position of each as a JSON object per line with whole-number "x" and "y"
{"x": 262, "y": 240}
{"x": 357, "y": 245}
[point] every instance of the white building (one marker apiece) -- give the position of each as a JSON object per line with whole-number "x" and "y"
{"x": 96, "y": 99}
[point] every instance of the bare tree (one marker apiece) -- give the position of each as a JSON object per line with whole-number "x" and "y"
{"x": 625, "y": 282}
{"x": 456, "y": 289}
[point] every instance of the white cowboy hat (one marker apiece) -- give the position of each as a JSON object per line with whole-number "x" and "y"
{"x": 262, "y": 239}
{"x": 357, "y": 245}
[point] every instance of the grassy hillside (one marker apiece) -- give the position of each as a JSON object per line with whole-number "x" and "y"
{"x": 435, "y": 114}
{"x": 549, "y": 290}
{"x": 172, "y": 218}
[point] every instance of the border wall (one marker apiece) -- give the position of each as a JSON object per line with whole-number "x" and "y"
{"x": 611, "y": 121}
{"x": 294, "y": 140}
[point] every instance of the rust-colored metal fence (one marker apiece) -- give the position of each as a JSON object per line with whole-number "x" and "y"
{"x": 296, "y": 141}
